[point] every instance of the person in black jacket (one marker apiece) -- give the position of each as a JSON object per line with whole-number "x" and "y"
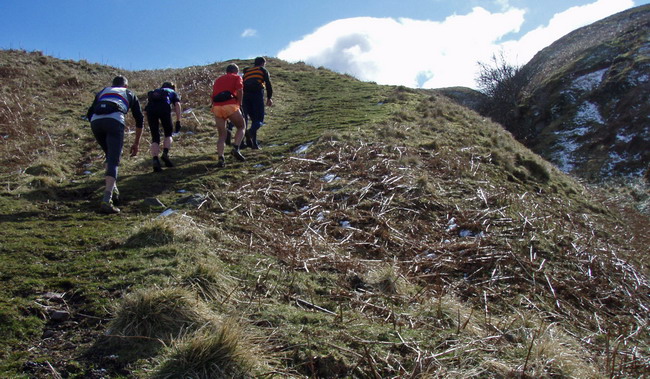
{"x": 107, "y": 121}
{"x": 256, "y": 80}
{"x": 158, "y": 110}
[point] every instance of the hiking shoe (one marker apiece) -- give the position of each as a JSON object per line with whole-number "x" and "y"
{"x": 168, "y": 163}
{"x": 107, "y": 207}
{"x": 222, "y": 161}
{"x": 156, "y": 165}
{"x": 235, "y": 153}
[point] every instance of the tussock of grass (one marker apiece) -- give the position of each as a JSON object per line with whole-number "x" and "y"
{"x": 209, "y": 281}
{"x": 535, "y": 168}
{"x": 47, "y": 167}
{"x": 549, "y": 351}
{"x": 387, "y": 279}
{"x": 220, "y": 350}
{"x": 162, "y": 314}
{"x": 166, "y": 230}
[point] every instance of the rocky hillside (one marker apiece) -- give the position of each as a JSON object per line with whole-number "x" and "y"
{"x": 586, "y": 107}
{"x": 381, "y": 232}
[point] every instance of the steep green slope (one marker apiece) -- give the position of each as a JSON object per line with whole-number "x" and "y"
{"x": 380, "y": 232}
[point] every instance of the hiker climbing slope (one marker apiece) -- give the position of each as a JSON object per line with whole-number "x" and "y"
{"x": 226, "y": 104}
{"x": 256, "y": 80}
{"x": 158, "y": 110}
{"x": 107, "y": 121}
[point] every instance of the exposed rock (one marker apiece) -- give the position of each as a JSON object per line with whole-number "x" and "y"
{"x": 59, "y": 315}
{"x": 54, "y": 297}
{"x": 194, "y": 200}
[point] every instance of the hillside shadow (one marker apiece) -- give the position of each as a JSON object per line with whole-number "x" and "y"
{"x": 188, "y": 173}
{"x": 116, "y": 354}
{"x": 20, "y": 216}
{"x": 133, "y": 186}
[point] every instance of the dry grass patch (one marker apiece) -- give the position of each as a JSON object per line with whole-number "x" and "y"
{"x": 218, "y": 350}
{"x": 551, "y": 352}
{"x": 159, "y": 313}
{"x": 388, "y": 280}
{"x": 166, "y": 230}
{"x": 46, "y": 167}
{"x": 209, "y": 282}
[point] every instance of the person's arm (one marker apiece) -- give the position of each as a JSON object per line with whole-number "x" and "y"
{"x": 136, "y": 111}
{"x": 136, "y": 143}
{"x": 269, "y": 88}
{"x": 240, "y": 96}
{"x": 239, "y": 87}
{"x": 91, "y": 109}
{"x": 177, "y": 110}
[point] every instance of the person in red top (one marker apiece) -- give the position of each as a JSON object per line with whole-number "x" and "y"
{"x": 227, "y": 94}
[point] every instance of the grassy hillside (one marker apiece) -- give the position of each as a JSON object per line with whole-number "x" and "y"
{"x": 380, "y": 232}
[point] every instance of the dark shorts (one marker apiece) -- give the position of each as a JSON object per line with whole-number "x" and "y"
{"x": 157, "y": 116}
{"x": 253, "y": 105}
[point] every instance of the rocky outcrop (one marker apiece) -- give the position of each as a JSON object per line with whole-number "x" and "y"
{"x": 586, "y": 107}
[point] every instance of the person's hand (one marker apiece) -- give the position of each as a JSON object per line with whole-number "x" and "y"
{"x": 269, "y": 102}
{"x": 134, "y": 150}
{"x": 178, "y": 127}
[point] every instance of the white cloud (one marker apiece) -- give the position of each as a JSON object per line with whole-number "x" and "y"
{"x": 406, "y": 51}
{"x": 432, "y": 54}
{"x": 249, "y": 33}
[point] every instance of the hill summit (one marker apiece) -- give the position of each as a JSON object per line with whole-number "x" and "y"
{"x": 379, "y": 232}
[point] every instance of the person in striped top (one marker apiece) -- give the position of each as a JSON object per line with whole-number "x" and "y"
{"x": 256, "y": 80}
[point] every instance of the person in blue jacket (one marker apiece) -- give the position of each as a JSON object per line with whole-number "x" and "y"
{"x": 107, "y": 121}
{"x": 158, "y": 110}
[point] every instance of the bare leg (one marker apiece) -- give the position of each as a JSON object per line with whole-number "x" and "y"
{"x": 221, "y": 129}
{"x": 167, "y": 143}
{"x": 239, "y": 122}
{"x": 155, "y": 149}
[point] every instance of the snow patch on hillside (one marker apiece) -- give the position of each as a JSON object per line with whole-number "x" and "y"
{"x": 588, "y": 113}
{"x": 588, "y": 82}
{"x": 609, "y": 169}
{"x": 587, "y": 116}
{"x": 624, "y": 138}
{"x": 566, "y": 147}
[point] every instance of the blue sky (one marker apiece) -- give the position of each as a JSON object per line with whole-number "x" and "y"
{"x": 417, "y": 43}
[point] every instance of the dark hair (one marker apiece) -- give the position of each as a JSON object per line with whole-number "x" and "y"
{"x": 259, "y": 61}
{"x": 169, "y": 85}
{"x": 232, "y": 69}
{"x": 120, "y": 81}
